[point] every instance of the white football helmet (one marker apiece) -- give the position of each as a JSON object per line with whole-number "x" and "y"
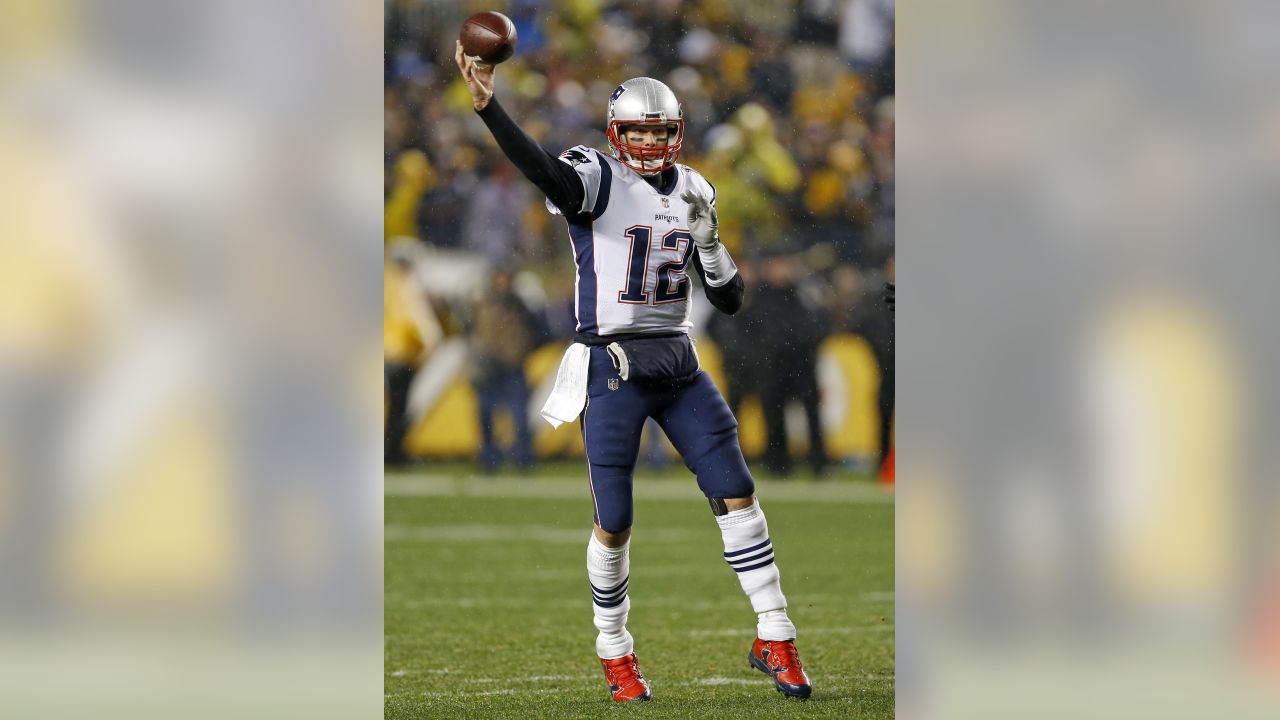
{"x": 645, "y": 101}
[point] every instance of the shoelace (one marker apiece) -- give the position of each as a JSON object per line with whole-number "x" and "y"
{"x": 615, "y": 673}
{"x": 783, "y": 655}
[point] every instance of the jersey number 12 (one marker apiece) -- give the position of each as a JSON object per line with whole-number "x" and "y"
{"x": 672, "y": 283}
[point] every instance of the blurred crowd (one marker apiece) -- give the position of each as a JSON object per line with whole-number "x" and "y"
{"x": 789, "y": 111}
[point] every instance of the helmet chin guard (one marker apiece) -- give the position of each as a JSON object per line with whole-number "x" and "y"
{"x": 645, "y": 101}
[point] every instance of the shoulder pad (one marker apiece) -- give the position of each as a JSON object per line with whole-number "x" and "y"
{"x": 700, "y": 183}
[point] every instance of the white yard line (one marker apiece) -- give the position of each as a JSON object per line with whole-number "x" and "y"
{"x": 687, "y": 603}
{"x": 480, "y": 693}
{"x": 485, "y": 533}
{"x": 867, "y": 596}
{"x": 528, "y": 533}
{"x": 726, "y": 681}
{"x": 579, "y": 602}
{"x": 434, "y": 485}
{"x": 489, "y": 602}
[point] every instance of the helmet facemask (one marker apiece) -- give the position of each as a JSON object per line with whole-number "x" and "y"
{"x": 646, "y": 161}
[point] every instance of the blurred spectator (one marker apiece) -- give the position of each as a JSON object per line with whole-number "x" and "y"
{"x": 866, "y": 314}
{"x": 409, "y": 330}
{"x": 831, "y": 197}
{"x": 765, "y": 160}
{"x": 817, "y": 22}
{"x": 493, "y": 226}
{"x": 771, "y": 73}
{"x": 866, "y": 33}
{"x": 413, "y": 175}
{"x": 786, "y": 328}
{"x": 754, "y": 175}
{"x": 745, "y": 361}
{"x": 880, "y": 149}
{"x": 443, "y": 207}
{"x": 665, "y": 22}
{"x": 504, "y": 332}
{"x": 815, "y": 32}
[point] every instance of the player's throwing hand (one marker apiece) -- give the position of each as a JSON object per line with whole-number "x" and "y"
{"x": 703, "y": 222}
{"x": 479, "y": 77}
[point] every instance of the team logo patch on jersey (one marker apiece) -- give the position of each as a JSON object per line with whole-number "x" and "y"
{"x": 574, "y": 157}
{"x": 613, "y": 383}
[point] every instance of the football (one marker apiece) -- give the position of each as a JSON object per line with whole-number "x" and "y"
{"x": 490, "y": 36}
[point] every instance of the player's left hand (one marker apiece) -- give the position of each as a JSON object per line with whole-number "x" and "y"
{"x": 703, "y": 223}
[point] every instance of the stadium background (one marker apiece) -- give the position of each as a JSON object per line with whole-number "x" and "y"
{"x": 789, "y": 111}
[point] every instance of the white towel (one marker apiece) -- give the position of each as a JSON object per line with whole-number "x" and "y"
{"x": 570, "y": 393}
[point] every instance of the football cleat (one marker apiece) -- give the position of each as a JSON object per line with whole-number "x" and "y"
{"x": 625, "y": 681}
{"x": 778, "y": 659}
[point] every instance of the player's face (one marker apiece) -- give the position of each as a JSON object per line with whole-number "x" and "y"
{"x": 647, "y": 136}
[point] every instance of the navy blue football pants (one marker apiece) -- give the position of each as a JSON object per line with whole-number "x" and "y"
{"x": 694, "y": 417}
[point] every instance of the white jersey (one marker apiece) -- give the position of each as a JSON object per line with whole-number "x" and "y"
{"x": 632, "y": 247}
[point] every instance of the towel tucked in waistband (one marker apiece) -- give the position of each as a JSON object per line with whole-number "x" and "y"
{"x": 570, "y": 393}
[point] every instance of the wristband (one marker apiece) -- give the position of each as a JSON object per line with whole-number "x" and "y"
{"x": 717, "y": 265}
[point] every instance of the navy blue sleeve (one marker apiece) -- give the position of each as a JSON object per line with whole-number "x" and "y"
{"x": 728, "y": 297}
{"x": 556, "y": 179}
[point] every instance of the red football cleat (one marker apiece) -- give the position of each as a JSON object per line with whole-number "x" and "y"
{"x": 778, "y": 659}
{"x": 625, "y": 681}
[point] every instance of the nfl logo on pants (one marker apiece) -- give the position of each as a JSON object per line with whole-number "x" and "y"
{"x": 613, "y": 383}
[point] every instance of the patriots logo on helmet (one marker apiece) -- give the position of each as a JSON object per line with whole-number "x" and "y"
{"x": 617, "y": 93}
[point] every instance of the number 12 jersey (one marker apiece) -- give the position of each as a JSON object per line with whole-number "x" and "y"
{"x": 631, "y": 245}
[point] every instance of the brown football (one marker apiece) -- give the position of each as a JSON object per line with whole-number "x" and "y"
{"x": 490, "y": 36}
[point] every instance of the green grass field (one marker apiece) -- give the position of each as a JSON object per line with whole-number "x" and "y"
{"x": 488, "y": 614}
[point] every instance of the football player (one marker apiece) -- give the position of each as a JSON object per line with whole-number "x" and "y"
{"x": 636, "y": 221}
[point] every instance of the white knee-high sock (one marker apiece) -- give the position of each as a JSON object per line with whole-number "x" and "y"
{"x": 608, "y": 570}
{"x": 749, "y": 551}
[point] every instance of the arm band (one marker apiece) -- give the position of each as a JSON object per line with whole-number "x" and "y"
{"x": 717, "y": 266}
